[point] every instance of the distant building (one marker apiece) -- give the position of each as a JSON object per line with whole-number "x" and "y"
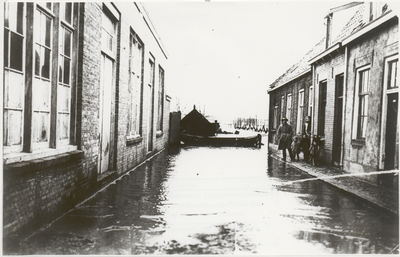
{"x": 194, "y": 123}
{"x": 84, "y": 102}
{"x": 354, "y": 99}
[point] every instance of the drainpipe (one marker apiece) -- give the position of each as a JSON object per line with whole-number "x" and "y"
{"x": 345, "y": 106}
{"x": 313, "y": 99}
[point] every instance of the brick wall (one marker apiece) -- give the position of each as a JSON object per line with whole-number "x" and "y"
{"x": 293, "y": 87}
{"x": 371, "y": 50}
{"x": 38, "y": 191}
{"x": 327, "y": 71}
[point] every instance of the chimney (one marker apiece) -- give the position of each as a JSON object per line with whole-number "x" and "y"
{"x": 328, "y": 36}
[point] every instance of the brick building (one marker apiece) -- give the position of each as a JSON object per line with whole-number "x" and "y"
{"x": 355, "y": 99}
{"x": 291, "y": 95}
{"x": 84, "y": 102}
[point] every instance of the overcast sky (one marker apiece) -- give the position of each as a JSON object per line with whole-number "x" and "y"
{"x": 224, "y": 55}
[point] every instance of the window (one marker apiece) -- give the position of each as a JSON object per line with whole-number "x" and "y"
{"x": 300, "y": 112}
{"x": 322, "y": 108}
{"x": 282, "y": 107}
{"x": 289, "y": 108}
{"x": 160, "y": 115}
{"x": 14, "y": 72}
{"x": 276, "y": 118}
{"x": 108, "y": 40}
{"x": 361, "y": 104}
{"x": 392, "y": 74}
{"x": 150, "y": 106}
{"x": 135, "y": 85}
{"x": 48, "y": 124}
{"x": 311, "y": 102}
{"x": 64, "y": 74}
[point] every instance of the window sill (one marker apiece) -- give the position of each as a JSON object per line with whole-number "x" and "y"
{"x": 358, "y": 143}
{"x": 130, "y": 140}
{"x": 44, "y": 162}
{"x": 159, "y": 133}
{"x": 43, "y": 153}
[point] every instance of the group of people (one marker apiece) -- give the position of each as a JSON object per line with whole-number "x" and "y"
{"x": 285, "y": 133}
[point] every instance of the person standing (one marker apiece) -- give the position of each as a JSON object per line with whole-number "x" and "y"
{"x": 285, "y": 138}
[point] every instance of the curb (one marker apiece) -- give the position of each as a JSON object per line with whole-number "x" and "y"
{"x": 391, "y": 209}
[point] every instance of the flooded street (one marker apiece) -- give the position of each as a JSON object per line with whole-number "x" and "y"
{"x": 203, "y": 200}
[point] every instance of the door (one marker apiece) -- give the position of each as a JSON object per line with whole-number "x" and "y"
{"x": 106, "y": 83}
{"x": 337, "y": 125}
{"x": 392, "y": 135}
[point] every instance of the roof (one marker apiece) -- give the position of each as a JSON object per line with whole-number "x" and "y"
{"x": 300, "y": 68}
{"x": 355, "y": 23}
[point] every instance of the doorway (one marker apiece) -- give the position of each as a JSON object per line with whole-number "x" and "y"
{"x": 337, "y": 124}
{"x": 106, "y": 84}
{"x": 392, "y": 137}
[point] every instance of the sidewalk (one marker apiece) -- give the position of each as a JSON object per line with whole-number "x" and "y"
{"x": 379, "y": 196}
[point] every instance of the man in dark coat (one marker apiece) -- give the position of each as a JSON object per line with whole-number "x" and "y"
{"x": 285, "y": 138}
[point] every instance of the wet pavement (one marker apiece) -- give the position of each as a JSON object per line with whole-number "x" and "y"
{"x": 203, "y": 200}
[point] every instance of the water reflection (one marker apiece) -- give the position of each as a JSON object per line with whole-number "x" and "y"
{"x": 199, "y": 200}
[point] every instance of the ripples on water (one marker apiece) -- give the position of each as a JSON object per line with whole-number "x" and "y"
{"x": 203, "y": 200}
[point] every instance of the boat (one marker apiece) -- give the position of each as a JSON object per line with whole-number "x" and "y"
{"x": 222, "y": 140}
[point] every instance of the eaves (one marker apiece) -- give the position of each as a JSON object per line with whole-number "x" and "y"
{"x": 325, "y": 53}
{"x": 290, "y": 80}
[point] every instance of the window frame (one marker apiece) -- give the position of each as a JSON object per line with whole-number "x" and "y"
{"x": 276, "y": 117}
{"x": 357, "y": 134}
{"x": 160, "y": 109}
{"x": 300, "y": 111}
{"x": 289, "y": 108}
{"x": 8, "y": 31}
{"x": 387, "y": 90}
{"x": 136, "y": 68}
{"x": 322, "y": 107}
{"x": 29, "y": 149}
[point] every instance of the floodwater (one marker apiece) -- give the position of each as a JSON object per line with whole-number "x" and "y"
{"x": 203, "y": 200}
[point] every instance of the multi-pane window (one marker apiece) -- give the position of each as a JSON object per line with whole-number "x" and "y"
{"x": 363, "y": 84}
{"x": 33, "y": 74}
{"x": 43, "y": 35}
{"x": 135, "y": 84}
{"x": 64, "y": 74}
{"x": 160, "y": 100}
{"x": 300, "y": 112}
{"x": 14, "y": 72}
{"x": 289, "y": 108}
